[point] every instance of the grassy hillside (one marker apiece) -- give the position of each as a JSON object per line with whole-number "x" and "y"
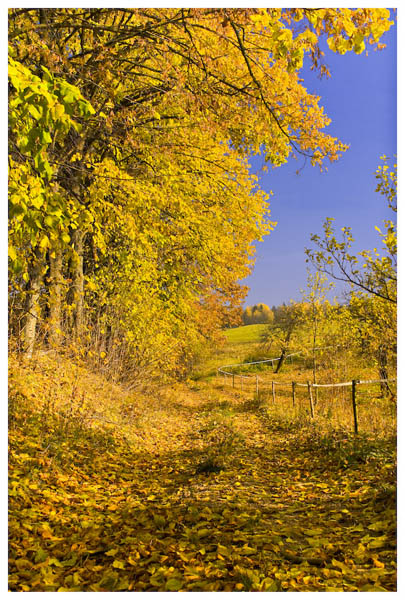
{"x": 239, "y": 343}
{"x": 192, "y": 488}
{"x": 245, "y": 334}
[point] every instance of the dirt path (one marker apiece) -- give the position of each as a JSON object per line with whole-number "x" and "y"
{"x": 281, "y": 503}
{"x": 202, "y": 490}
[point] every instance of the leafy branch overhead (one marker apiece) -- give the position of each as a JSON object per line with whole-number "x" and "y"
{"x": 130, "y": 192}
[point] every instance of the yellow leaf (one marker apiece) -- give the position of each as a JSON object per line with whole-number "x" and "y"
{"x": 223, "y": 550}
{"x": 378, "y": 564}
{"x": 133, "y": 560}
{"x": 44, "y": 243}
{"x": 313, "y": 532}
{"x": 203, "y": 532}
{"x": 12, "y": 252}
{"x": 372, "y": 588}
{"x": 173, "y": 585}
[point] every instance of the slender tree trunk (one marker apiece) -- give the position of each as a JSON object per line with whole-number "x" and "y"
{"x": 32, "y": 303}
{"x": 383, "y": 371}
{"x": 281, "y": 361}
{"x": 314, "y": 366}
{"x": 78, "y": 281}
{"x": 55, "y": 297}
{"x": 284, "y": 352}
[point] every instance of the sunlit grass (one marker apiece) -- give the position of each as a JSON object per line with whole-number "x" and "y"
{"x": 114, "y": 491}
{"x": 246, "y": 333}
{"x": 333, "y": 406}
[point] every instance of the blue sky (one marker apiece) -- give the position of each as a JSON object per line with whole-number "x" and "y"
{"x": 360, "y": 98}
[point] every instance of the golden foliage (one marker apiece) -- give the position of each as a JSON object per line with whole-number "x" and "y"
{"x": 194, "y": 490}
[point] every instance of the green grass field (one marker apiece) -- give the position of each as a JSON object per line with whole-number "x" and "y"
{"x": 246, "y": 334}
{"x": 240, "y": 343}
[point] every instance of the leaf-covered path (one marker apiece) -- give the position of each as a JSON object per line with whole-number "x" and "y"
{"x": 196, "y": 490}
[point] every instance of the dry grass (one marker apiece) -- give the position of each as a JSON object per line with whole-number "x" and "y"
{"x": 196, "y": 487}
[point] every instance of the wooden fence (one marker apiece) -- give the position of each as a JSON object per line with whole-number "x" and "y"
{"x": 260, "y": 385}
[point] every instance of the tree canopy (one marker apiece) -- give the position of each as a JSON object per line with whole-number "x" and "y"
{"x": 132, "y": 205}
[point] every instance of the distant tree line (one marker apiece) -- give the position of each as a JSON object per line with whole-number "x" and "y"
{"x": 259, "y": 313}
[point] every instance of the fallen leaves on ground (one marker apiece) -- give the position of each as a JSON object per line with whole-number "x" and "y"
{"x": 115, "y": 492}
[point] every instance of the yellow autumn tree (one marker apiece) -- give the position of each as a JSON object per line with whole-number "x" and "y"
{"x": 161, "y": 209}
{"x": 371, "y": 277}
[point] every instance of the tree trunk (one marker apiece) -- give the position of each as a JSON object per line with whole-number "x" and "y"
{"x": 383, "y": 371}
{"x": 284, "y": 351}
{"x": 78, "y": 282}
{"x": 280, "y": 362}
{"x": 314, "y": 363}
{"x": 55, "y": 297}
{"x": 32, "y": 303}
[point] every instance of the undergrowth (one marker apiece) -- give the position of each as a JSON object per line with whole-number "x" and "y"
{"x": 199, "y": 488}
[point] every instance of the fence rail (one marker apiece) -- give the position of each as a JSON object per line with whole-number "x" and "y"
{"x": 294, "y": 384}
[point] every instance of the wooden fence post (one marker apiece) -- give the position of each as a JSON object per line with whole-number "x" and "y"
{"x": 273, "y": 391}
{"x": 233, "y": 379}
{"x": 293, "y": 392}
{"x": 356, "y": 426}
{"x": 311, "y": 402}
